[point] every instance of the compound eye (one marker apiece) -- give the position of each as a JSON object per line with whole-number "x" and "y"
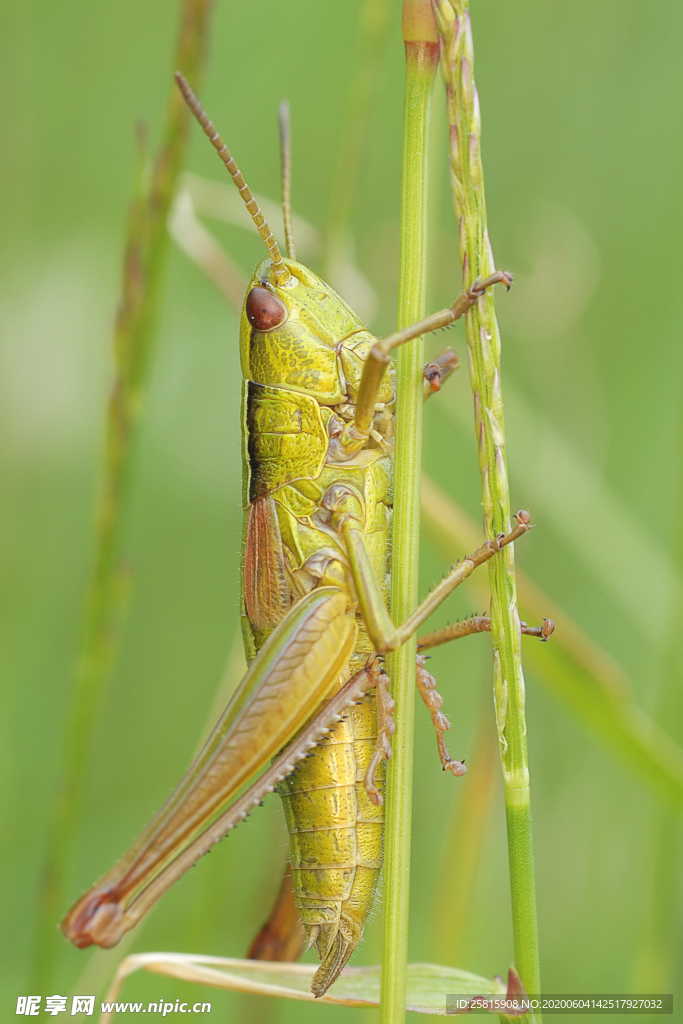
{"x": 265, "y": 312}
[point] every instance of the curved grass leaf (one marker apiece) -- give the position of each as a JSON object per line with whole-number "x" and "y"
{"x": 427, "y": 984}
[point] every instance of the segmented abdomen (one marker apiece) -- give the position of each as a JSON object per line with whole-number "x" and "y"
{"x": 335, "y": 838}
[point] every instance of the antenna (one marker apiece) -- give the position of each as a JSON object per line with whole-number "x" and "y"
{"x": 282, "y": 275}
{"x": 286, "y": 173}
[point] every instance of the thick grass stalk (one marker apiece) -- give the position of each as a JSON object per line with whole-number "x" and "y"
{"x": 483, "y": 339}
{"x": 421, "y": 54}
{"x": 145, "y": 254}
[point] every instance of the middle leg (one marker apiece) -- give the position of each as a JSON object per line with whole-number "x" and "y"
{"x": 478, "y": 624}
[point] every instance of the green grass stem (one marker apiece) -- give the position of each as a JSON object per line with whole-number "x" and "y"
{"x": 145, "y": 255}
{"x": 421, "y": 50}
{"x": 484, "y": 347}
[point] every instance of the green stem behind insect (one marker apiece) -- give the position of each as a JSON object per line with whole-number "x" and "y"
{"x": 484, "y": 348}
{"x": 374, "y": 19}
{"x": 469, "y": 822}
{"x": 421, "y": 62}
{"x": 145, "y": 255}
{"x": 574, "y": 667}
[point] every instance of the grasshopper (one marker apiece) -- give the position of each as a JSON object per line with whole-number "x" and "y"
{"x": 314, "y": 704}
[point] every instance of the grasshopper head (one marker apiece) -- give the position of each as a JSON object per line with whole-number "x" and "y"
{"x": 292, "y": 322}
{"x": 290, "y": 331}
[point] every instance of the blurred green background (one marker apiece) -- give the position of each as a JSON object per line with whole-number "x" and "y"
{"x": 583, "y": 157}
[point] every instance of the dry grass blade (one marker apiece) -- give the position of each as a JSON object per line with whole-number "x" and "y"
{"x": 573, "y": 666}
{"x": 427, "y": 984}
